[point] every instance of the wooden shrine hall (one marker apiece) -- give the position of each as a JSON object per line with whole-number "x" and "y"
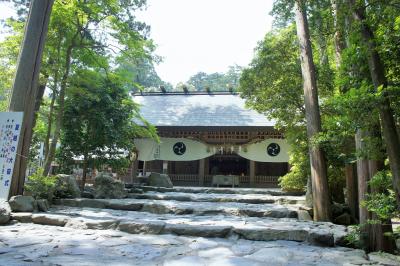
{"x": 207, "y": 134}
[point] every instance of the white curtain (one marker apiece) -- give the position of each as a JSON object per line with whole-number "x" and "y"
{"x": 258, "y": 151}
{"x": 191, "y": 150}
{"x": 171, "y": 149}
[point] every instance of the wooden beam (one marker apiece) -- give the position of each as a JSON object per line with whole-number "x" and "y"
{"x": 252, "y": 173}
{"x": 201, "y": 172}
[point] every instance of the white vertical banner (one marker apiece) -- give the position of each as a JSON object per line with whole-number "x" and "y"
{"x": 10, "y": 128}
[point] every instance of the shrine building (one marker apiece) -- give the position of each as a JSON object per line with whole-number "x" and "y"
{"x": 205, "y": 134}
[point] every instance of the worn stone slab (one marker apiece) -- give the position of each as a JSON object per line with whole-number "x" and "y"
{"x": 22, "y": 217}
{"x": 209, "y": 197}
{"x": 181, "y": 208}
{"x": 193, "y": 230}
{"x": 33, "y": 244}
{"x": 138, "y": 227}
{"x": 50, "y": 219}
{"x": 265, "y": 191}
{"x": 251, "y": 228}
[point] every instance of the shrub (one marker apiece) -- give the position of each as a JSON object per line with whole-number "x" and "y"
{"x": 66, "y": 187}
{"x": 40, "y": 186}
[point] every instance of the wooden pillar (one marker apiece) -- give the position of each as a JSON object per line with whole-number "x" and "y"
{"x": 134, "y": 169}
{"x": 201, "y": 172}
{"x": 26, "y": 93}
{"x": 165, "y": 167}
{"x": 252, "y": 173}
{"x": 144, "y": 168}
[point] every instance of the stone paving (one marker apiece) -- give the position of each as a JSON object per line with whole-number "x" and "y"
{"x": 30, "y": 244}
{"x": 179, "y": 226}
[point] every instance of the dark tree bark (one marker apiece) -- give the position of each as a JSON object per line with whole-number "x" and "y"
{"x": 338, "y": 21}
{"x": 84, "y": 173}
{"x": 352, "y": 190}
{"x": 49, "y": 124}
{"x": 26, "y": 92}
{"x": 321, "y": 201}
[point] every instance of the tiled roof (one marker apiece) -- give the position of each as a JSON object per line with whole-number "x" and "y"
{"x": 199, "y": 110}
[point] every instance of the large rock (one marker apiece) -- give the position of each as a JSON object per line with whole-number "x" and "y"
{"x": 304, "y": 215}
{"x": 106, "y": 187}
{"x": 50, "y": 219}
{"x": 66, "y": 187}
{"x": 136, "y": 227}
{"x": 5, "y": 212}
{"x": 344, "y": 219}
{"x": 159, "y": 180}
{"x": 43, "y": 205}
{"x": 21, "y": 203}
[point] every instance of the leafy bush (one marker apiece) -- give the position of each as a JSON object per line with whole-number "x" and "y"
{"x": 382, "y": 199}
{"x": 353, "y": 237}
{"x": 293, "y": 181}
{"x": 66, "y": 187}
{"x": 41, "y": 187}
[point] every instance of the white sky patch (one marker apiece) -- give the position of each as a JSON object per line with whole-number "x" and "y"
{"x": 205, "y": 35}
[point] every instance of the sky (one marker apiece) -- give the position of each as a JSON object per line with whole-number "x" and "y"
{"x": 201, "y": 35}
{"x": 205, "y": 35}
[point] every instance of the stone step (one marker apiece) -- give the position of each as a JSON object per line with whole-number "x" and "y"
{"x": 209, "y": 197}
{"x": 180, "y": 208}
{"x": 225, "y": 190}
{"x": 250, "y": 228}
{"x": 33, "y": 244}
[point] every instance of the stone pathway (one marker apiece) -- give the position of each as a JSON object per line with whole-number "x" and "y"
{"x": 179, "y": 226}
{"x": 30, "y": 244}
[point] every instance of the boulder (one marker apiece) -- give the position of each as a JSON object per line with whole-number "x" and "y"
{"x": 337, "y": 209}
{"x": 106, "y": 187}
{"x": 50, "y": 219}
{"x": 159, "y": 180}
{"x": 5, "y": 212}
{"x": 343, "y": 219}
{"x": 21, "y": 203}
{"x": 136, "y": 227}
{"x": 22, "y": 217}
{"x": 43, "y": 205}
{"x": 304, "y": 215}
{"x": 66, "y": 187}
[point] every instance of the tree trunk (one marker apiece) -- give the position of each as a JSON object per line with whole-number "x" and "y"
{"x": 377, "y": 71}
{"x": 351, "y": 190}
{"x": 337, "y": 9}
{"x": 321, "y": 201}
{"x": 84, "y": 172}
{"x": 362, "y": 176}
{"x": 52, "y": 149}
{"x": 25, "y": 88}
{"x": 49, "y": 124}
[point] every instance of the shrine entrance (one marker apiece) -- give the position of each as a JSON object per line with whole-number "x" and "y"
{"x": 228, "y": 165}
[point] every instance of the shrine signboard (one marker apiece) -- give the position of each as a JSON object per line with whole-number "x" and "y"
{"x": 10, "y": 128}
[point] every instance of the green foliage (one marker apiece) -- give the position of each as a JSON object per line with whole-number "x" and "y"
{"x": 382, "y": 199}
{"x": 66, "y": 187}
{"x": 41, "y": 187}
{"x": 9, "y": 49}
{"x": 272, "y": 85}
{"x": 228, "y": 81}
{"x": 99, "y": 119}
{"x": 353, "y": 236}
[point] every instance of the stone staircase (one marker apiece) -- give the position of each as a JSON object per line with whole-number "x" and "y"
{"x": 251, "y": 214}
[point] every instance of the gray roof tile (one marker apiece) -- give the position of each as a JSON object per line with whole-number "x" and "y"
{"x": 199, "y": 110}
